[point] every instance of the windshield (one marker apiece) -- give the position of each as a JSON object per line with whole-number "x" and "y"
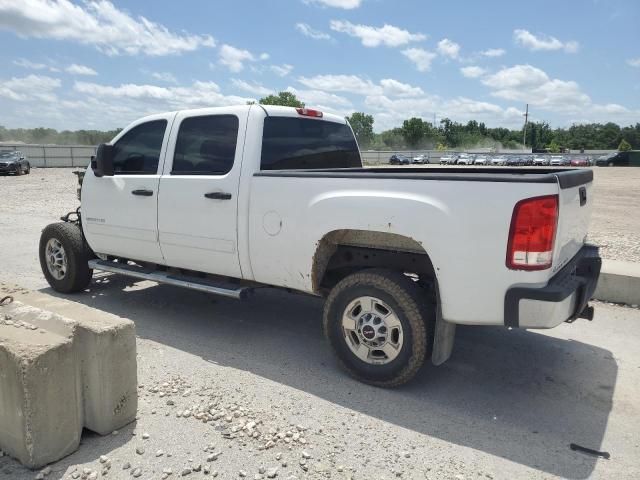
{"x": 7, "y": 154}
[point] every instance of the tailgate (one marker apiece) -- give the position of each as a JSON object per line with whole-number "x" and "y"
{"x": 575, "y": 192}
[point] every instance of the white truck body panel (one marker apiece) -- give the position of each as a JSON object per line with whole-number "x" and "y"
{"x": 271, "y": 228}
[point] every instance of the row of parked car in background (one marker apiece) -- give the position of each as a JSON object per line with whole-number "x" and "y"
{"x": 611, "y": 159}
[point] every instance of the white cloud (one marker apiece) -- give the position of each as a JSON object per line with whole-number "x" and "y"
{"x": 31, "y": 87}
{"x": 282, "y": 70}
{"x": 375, "y": 36}
{"x": 76, "y": 69}
{"x": 310, "y": 32}
{"x": 398, "y": 89}
{"x": 389, "y": 113}
{"x": 473, "y": 71}
{"x": 165, "y": 77}
{"x": 448, "y": 48}
{"x": 344, "y": 4}
{"x": 543, "y": 42}
{"x": 493, "y": 52}
{"x": 234, "y": 58}
{"x": 98, "y": 23}
{"x": 24, "y": 63}
{"x": 528, "y": 84}
{"x": 420, "y": 57}
{"x": 253, "y": 88}
{"x": 156, "y": 98}
{"x": 318, "y": 98}
{"x": 359, "y": 86}
{"x": 338, "y": 83}
{"x": 634, "y": 62}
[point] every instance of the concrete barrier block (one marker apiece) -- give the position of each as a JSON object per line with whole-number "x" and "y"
{"x": 40, "y": 411}
{"x": 109, "y": 375}
{"x": 619, "y": 282}
{"x": 99, "y": 361}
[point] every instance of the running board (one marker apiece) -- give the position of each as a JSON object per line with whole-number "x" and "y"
{"x": 185, "y": 281}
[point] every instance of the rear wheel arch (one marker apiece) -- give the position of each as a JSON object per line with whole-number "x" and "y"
{"x": 342, "y": 252}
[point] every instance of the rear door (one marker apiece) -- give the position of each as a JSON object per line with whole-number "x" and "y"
{"x": 198, "y": 201}
{"x": 120, "y": 213}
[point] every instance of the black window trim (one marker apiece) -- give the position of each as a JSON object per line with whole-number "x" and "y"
{"x": 162, "y": 144}
{"x": 174, "y": 173}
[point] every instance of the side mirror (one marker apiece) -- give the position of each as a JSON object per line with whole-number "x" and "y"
{"x": 102, "y": 162}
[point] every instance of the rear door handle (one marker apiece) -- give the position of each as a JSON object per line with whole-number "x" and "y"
{"x": 143, "y": 193}
{"x": 218, "y": 195}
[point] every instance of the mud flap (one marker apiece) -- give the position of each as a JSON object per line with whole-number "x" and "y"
{"x": 443, "y": 339}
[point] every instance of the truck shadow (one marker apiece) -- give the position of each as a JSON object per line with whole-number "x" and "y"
{"x": 519, "y": 395}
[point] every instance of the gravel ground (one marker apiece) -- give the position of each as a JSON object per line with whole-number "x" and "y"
{"x": 250, "y": 389}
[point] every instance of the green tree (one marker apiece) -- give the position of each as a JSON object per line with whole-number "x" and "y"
{"x": 553, "y": 147}
{"x": 413, "y": 131}
{"x": 286, "y": 99}
{"x": 362, "y": 125}
{"x": 624, "y": 146}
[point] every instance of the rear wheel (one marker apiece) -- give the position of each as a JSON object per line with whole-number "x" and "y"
{"x": 64, "y": 257}
{"x": 610, "y": 164}
{"x": 377, "y": 322}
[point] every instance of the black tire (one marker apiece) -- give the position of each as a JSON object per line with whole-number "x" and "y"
{"x": 18, "y": 170}
{"x": 408, "y": 302}
{"x": 78, "y": 274}
{"x": 28, "y": 171}
{"x": 610, "y": 164}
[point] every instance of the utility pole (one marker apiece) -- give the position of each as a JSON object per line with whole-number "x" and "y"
{"x": 524, "y": 134}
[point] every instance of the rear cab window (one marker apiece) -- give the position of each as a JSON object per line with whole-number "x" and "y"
{"x": 302, "y": 144}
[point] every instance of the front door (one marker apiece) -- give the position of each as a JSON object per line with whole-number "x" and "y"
{"x": 198, "y": 200}
{"x": 120, "y": 213}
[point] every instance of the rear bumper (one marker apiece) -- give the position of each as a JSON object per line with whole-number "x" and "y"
{"x": 563, "y": 299}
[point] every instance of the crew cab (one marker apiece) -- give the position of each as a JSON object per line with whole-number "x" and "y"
{"x": 226, "y": 200}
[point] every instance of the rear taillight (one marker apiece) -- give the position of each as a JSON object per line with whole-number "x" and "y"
{"x": 309, "y": 112}
{"x": 532, "y": 233}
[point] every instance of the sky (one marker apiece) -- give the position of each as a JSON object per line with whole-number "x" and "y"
{"x": 96, "y": 64}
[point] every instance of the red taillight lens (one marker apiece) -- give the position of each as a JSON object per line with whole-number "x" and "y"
{"x": 532, "y": 233}
{"x": 308, "y": 112}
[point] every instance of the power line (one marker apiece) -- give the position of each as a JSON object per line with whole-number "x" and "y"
{"x": 524, "y": 134}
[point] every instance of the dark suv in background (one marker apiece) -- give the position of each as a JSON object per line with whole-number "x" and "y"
{"x": 13, "y": 161}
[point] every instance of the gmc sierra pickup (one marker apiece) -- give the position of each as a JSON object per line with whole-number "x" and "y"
{"x": 226, "y": 200}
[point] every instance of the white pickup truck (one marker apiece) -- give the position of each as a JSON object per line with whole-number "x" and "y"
{"x": 226, "y": 200}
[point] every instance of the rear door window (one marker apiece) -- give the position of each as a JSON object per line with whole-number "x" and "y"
{"x": 206, "y": 145}
{"x": 300, "y": 143}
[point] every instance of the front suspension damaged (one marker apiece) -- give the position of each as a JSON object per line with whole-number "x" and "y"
{"x": 73, "y": 217}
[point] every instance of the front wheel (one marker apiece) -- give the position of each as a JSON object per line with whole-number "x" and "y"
{"x": 64, "y": 257}
{"x": 377, "y": 322}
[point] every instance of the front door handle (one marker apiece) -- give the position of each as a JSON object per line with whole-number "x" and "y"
{"x": 218, "y": 195}
{"x": 144, "y": 193}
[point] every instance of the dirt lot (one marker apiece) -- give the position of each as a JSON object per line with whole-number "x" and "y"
{"x": 507, "y": 405}
{"x": 615, "y": 223}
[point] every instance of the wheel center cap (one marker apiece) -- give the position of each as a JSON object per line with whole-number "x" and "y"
{"x": 368, "y": 332}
